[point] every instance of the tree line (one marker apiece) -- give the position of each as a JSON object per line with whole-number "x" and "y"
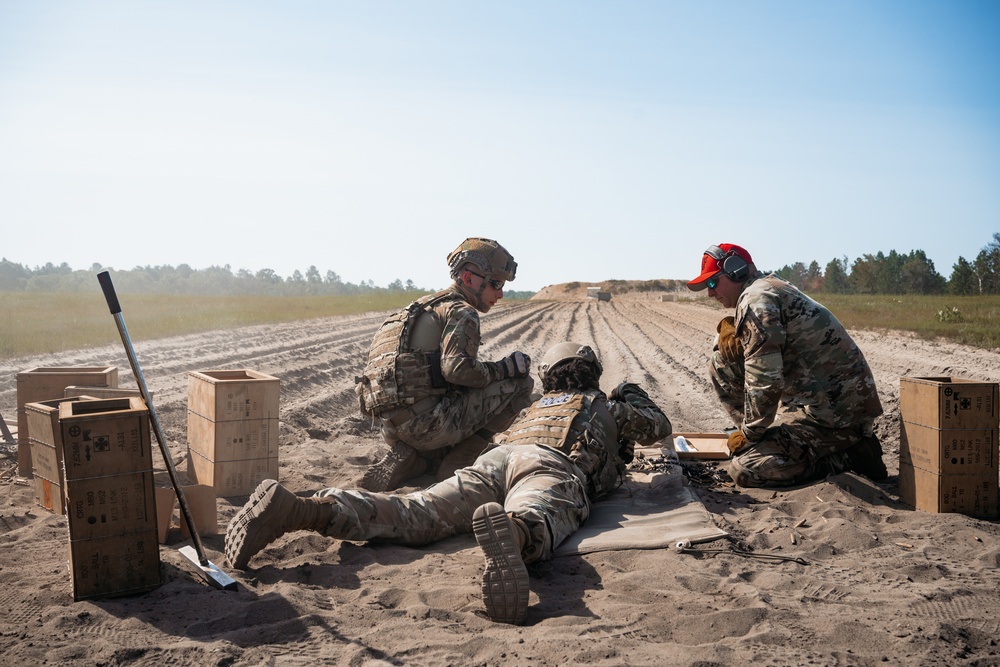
{"x": 897, "y": 273}
{"x": 182, "y": 279}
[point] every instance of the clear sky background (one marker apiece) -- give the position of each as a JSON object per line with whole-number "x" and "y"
{"x": 595, "y": 140}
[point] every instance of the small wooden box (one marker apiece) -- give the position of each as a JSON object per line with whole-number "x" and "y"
{"x": 221, "y": 395}
{"x": 42, "y": 384}
{"x": 105, "y": 437}
{"x": 231, "y": 478}
{"x": 114, "y": 566}
{"x": 701, "y": 445}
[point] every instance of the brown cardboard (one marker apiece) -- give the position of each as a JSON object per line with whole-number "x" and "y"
{"x": 949, "y": 451}
{"x": 703, "y": 446}
{"x": 949, "y": 402}
{"x": 45, "y": 440}
{"x": 105, "y": 437}
{"x": 110, "y": 505}
{"x": 233, "y": 440}
{"x": 227, "y": 395}
{"x": 201, "y": 502}
{"x": 972, "y": 495}
{"x": 231, "y": 478}
{"x": 114, "y": 566}
{"x": 166, "y": 499}
{"x": 103, "y": 392}
{"x": 41, "y": 384}
{"x": 49, "y": 495}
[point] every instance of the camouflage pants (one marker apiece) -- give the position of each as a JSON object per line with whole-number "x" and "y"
{"x": 536, "y": 484}
{"x": 459, "y": 414}
{"x": 795, "y": 449}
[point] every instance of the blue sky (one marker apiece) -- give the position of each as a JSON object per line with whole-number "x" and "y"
{"x": 595, "y": 140}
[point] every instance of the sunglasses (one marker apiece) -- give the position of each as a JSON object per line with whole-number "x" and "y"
{"x": 712, "y": 282}
{"x": 495, "y": 284}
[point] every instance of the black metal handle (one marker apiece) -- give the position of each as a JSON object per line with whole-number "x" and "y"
{"x": 109, "y": 292}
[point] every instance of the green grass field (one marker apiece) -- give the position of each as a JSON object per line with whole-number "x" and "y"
{"x": 41, "y": 322}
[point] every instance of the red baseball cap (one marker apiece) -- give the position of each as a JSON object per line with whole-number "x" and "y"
{"x": 712, "y": 261}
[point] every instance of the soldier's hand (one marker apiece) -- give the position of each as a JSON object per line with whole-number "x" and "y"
{"x": 736, "y": 442}
{"x": 515, "y": 365}
{"x": 730, "y": 347}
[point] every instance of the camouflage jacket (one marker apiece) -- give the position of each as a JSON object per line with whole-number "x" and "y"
{"x": 460, "y": 340}
{"x": 797, "y": 354}
{"x": 593, "y": 431}
{"x": 399, "y": 374}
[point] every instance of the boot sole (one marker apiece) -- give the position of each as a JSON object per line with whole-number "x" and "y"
{"x": 253, "y": 518}
{"x": 505, "y": 579}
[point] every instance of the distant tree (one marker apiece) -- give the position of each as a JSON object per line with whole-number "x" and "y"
{"x": 813, "y": 281}
{"x": 396, "y": 285}
{"x": 963, "y": 281}
{"x": 269, "y": 276}
{"x": 835, "y": 278}
{"x": 12, "y": 276}
{"x": 410, "y": 287}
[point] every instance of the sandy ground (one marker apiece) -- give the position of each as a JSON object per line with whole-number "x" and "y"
{"x": 883, "y": 584}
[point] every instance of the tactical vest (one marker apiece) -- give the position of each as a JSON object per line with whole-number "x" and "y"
{"x": 395, "y": 375}
{"x": 548, "y": 423}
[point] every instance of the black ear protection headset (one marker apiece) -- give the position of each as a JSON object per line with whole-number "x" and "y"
{"x": 735, "y": 267}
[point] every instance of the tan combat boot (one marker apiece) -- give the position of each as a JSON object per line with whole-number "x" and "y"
{"x": 271, "y": 512}
{"x": 400, "y": 464}
{"x": 505, "y": 579}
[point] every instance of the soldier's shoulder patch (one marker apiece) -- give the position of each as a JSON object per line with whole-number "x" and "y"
{"x": 549, "y": 401}
{"x": 751, "y": 332}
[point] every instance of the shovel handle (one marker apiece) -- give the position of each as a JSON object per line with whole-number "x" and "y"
{"x": 109, "y": 292}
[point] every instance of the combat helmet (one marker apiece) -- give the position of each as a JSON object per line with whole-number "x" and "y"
{"x": 561, "y": 352}
{"x": 487, "y": 255}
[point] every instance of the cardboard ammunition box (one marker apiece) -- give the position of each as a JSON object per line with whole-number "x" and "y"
{"x": 949, "y": 451}
{"x": 45, "y": 438}
{"x": 201, "y": 502}
{"x": 114, "y": 566}
{"x": 231, "y": 478}
{"x": 111, "y": 505}
{"x": 973, "y": 495}
{"x": 233, "y": 395}
{"x": 49, "y": 495}
{"x": 42, "y": 384}
{"x": 233, "y": 440}
{"x": 105, "y": 437}
{"x": 949, "y": 402}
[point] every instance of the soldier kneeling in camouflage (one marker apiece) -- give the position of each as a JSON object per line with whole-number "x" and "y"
{"x": 520, "y": 499}
{"x": 437, "y": 404}
{"x": 784, "y": 350}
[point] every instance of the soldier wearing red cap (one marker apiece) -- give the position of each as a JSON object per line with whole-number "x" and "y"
{"x": 781, "y": 349}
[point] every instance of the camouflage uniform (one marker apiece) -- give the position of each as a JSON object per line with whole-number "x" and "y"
{"x": 558, "y": 458}
{"x": 798, "y": 357}
{"x": 433, "y": 398}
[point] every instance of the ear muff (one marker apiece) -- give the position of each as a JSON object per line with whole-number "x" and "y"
{"x": 735, "y": 267}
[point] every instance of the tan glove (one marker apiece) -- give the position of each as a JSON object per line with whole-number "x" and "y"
{"x": 730, "y": 347}
{"x": 736, "y": 442}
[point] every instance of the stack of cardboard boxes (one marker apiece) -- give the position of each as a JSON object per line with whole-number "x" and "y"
{"x": 232, "y": 429}
{"x": 948, "y": 445}
{"x": 110, "y": 506}
{"x": 44, "y": 384}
